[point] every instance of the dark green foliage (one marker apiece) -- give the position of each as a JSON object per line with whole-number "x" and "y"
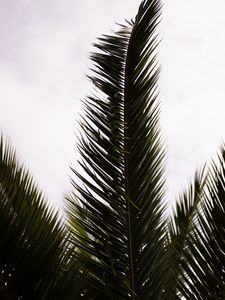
{"x": 33, "y": 248}
{"x": 116, "y": 242}
{"x": 203, "y": 264}
{"x": 122, "y": 155}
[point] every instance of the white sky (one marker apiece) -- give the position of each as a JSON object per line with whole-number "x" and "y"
{"x": 43, "y": 61}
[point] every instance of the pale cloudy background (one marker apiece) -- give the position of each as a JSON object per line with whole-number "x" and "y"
{"x": 43, "y": 61}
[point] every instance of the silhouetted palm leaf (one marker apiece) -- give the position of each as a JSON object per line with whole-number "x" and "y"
{"x": 34, "y": 251}
{"x": 203, "y": 261}
{"x": 180, "y": 226}
{"x": 120, "y": 210}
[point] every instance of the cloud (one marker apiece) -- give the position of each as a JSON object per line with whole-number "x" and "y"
{"x": 192, "y": 88}
{"x": 44, "y": 58}
{"x": 43, "y": 61}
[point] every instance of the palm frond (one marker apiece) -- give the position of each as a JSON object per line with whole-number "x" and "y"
{"x": 33, "y": 247}
{"x": 180, "y": 226}
{"x": 117, "y": 214}
{"x": 204, "y": 259}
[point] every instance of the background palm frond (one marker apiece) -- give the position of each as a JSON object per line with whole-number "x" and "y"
{"x": 203, "y": 263}
{"x": 33, "y": 248}
{"x": 180, "y": 226}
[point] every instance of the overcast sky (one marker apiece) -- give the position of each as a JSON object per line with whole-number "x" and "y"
{"x": 43, "y": 61}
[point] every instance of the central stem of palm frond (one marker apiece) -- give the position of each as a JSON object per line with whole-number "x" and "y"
{"x": 127, "y": 172}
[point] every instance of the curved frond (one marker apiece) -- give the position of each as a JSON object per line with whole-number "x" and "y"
{"x": 204, "y": 258}
{"x": 180, "y": 226}
{"x": 33, "y": 247}
{"x": 117, "y": 214}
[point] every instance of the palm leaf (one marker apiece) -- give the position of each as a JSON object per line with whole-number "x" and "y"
{"x": 204, "y": 259}
{"x": 117, "y": 214}
{"x": 34, "y": 250}
{"x": 180, "y": 226}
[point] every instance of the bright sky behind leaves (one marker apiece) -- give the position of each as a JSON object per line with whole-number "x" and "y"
{"x": 43, "y": 61}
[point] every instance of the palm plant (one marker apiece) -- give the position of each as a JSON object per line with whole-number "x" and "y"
{"x": 116, "y": 242}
